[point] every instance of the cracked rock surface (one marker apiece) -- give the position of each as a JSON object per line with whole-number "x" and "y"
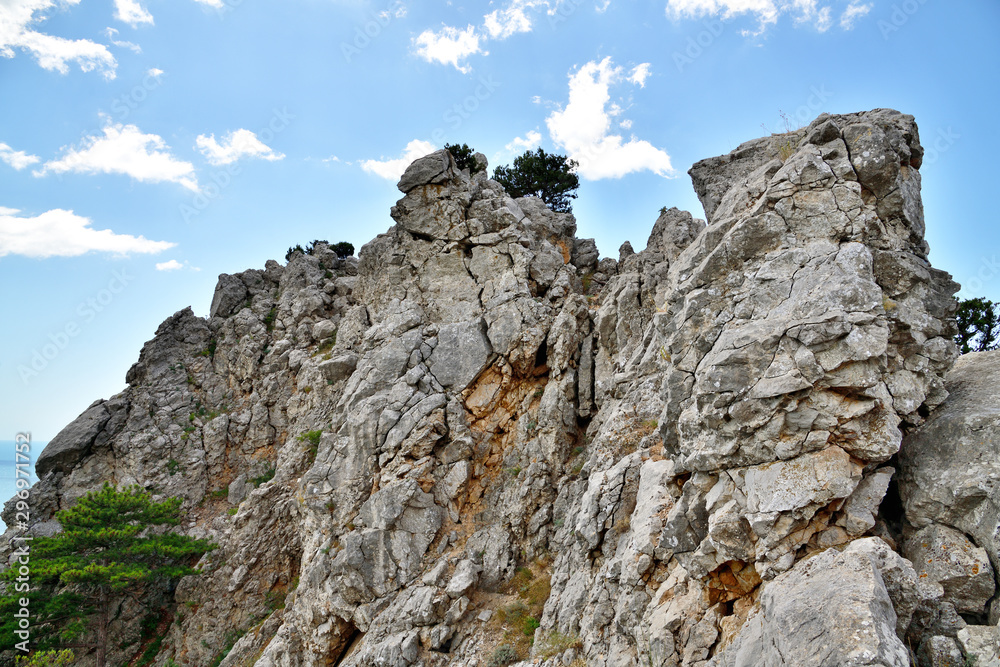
{"x": 480, "y": 434}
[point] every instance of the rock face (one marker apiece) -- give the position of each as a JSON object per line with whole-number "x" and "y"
{"x": 479, "y": 431}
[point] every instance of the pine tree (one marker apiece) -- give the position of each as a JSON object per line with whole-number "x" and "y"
{"x": 110, "y": 547}
{"x": 978, "y": 325}
{"x": 547, "y": 176}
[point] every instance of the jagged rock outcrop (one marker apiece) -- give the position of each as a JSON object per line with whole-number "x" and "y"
{"x": 480, "y": 431}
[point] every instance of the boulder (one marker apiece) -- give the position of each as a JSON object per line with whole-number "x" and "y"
{"x": 950, "y": 466}
{"x": 73, "y": 443}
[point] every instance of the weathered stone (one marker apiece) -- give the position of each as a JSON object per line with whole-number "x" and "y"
{"x": 73, "y": 443}
{"x": 832, "y": 609}
{"x": 947, "y": 557}
{"x": 230, "y": 296}
{"x": 950, "y": 466}
{"x": 462, "y": 352}
{"x": 981, "y": 645}
{"x": 430, "y": 169}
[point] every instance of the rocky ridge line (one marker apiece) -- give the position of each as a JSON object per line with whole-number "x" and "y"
{"x": 690, "y": 447}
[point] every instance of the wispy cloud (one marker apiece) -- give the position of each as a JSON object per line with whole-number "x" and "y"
{"x": 17, "y": 159}
{"x": 112, "y": 35}
{"x": 854, "y": 11}
{"x": 124, "y": 149}
{"x": 61, "y": 233}
{"x": 235, "y": 145}
{"x": 132, "y": 12}
{"x": 392, "y": 169}
{"x": 17, "y": 18}
{"x": 767, "y": 12}
{"x": 174, "y": 265}
{"x": 531, "y": 140}
{"x": 583, "y": 127}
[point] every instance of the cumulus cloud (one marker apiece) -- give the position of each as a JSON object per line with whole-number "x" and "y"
{"x": 582, "y": 128}
{"x": 61, "y": 233}
{"x": 17, "y": 159}
{"x": 214, "y": 4}
{"x": 448, "y": 46}
{"x": 767, "y": 12}
{"x": 392, "y": 169}
{"x": 530, "y": 141}
{"x": 17, "y": 21}
{"x": 132, "y": 12}
{"x": 124, "y": 149}
{"x": 235, "y": 145}
{"x": 451, "y": 46}
{"x": 154, "y": 72}
{"x": 512, "y": 19}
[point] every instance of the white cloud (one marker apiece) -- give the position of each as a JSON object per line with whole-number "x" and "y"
{"x": 392, "y": 169}
{"x": 17, "y": 159}
{"x": 640, "y": 74}
{"x": 532, "y": 140}
{"x": 582, "y": 128}
{"x": 17, "y": 18}
{"x": 235, "y": 145}
{"x": 214, "y": 4}
{"x": 111, "y": 33}
{"x": 155, "y": 73}
{"x": 449, "y": 46}
{"x": 124, "y": 149}
{"x": 132, "y": 12}
{"x": 61, "y": 233}
{"x": 172, "y": 265}
{"x": 854, "y": 11}
{"x": 767, "y": 12}
{"x": 512, "y": 19}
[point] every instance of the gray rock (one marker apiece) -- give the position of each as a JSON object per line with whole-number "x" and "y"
{"x": 981, "y": 645}
{"x": 435, "y": 168}
{"x": 462, "y": 352}
{"x": 947, "y": 557}
{"x": 938, "y": 651}
{"x": 230, "y": 295}
{"x": 73, "y": 443}
{"x": 338, "y": 368}
{"x": 832, "y": 609}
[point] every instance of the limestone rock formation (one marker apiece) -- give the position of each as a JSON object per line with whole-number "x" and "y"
{"x": 480, "y": 443}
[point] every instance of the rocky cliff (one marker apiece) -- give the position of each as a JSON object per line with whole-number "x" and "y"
{"x": 479, "y": 443}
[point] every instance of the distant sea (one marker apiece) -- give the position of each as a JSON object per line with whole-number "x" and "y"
{"x": 8, "y": 483}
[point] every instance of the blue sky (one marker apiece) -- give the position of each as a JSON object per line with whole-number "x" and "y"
{"x": 147, "y": 146}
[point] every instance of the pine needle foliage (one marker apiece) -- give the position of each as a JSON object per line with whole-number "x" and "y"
{"x": 113, "y": 545}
